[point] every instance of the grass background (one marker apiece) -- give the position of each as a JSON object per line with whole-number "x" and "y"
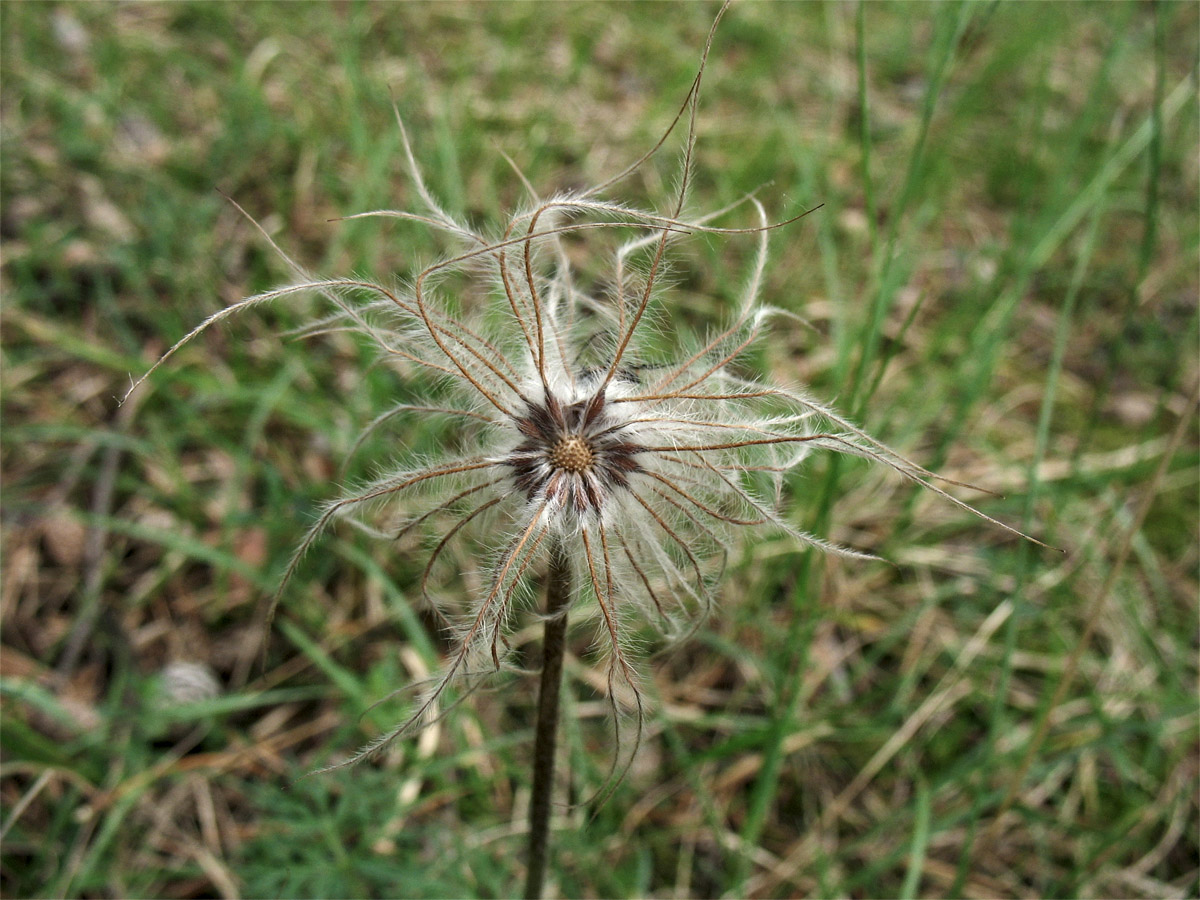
{"x": 1002, "y": 282}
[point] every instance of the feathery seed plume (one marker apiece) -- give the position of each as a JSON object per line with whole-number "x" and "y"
{"x": 572, "y": 431}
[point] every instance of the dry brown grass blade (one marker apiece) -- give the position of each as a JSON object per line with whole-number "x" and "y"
{"x": 1091, "y": 614}
{"x": 952, "y": 688}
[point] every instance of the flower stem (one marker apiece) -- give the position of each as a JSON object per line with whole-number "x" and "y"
{"x": 558, "y": 596}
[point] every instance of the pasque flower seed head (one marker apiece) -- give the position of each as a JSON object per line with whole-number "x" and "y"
{"x": 573, "y": 431}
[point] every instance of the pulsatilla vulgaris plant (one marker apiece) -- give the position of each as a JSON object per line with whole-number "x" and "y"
{"x": 583, "y": 449}
{"x": 577, "y": 437}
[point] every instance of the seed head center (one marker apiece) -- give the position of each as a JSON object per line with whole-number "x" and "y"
{"x": 572, "y": 453}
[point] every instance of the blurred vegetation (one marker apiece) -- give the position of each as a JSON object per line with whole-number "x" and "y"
{"x": 1001, "y": 282}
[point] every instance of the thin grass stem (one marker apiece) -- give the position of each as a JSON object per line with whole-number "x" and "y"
{"x": 554, "y": 643}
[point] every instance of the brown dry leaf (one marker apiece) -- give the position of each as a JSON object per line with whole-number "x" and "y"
{"x": 80, "y": 696}
{"x": 20, "y": 568}
{"x": 15, "y": 664}
{"x": 69, "y": 33}
{"x": 1135, "y": 408}
{"x": 65, "y": 537}
{"x": 138, "y": 141}
{"x": 102, "y": 214}
{"x": 80, "y": 254}
{"x": 250, "y": 546}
